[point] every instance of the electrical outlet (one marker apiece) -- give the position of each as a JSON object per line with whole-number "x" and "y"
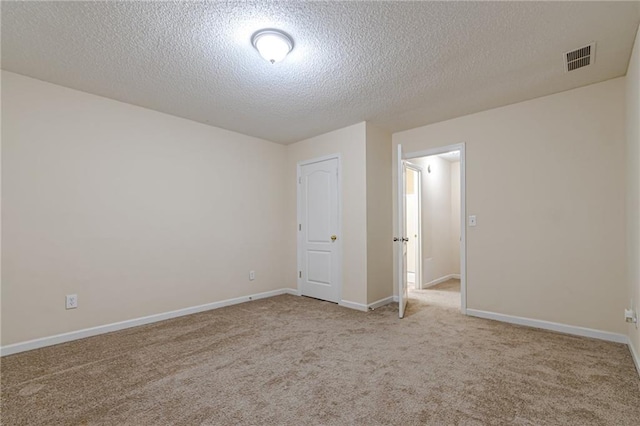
{"x": 252, "y": 275}
{"x": 71, "y": 301}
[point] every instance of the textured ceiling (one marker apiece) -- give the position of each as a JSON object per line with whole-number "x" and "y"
{"x": 398, "y": 65}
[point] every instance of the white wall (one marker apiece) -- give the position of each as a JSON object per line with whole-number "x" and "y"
{"x": 546, "y": 180}
{"x": 633, "y": 187}
{"x": 136, "y": 211}
{"x": 350, "y": 143}
{"x": 455, "y": 217}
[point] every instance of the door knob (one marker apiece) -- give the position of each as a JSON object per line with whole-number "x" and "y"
{"x": 333, "y": 238}
{"x": 405, "y": 239}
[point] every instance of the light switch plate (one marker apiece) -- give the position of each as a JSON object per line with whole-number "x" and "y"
{"x": 472, "y": 220}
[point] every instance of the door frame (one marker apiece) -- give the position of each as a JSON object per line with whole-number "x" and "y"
{"x": 418, "y": 277}
{"x": 463, "y": 210}
{"x": 299, "y": 166}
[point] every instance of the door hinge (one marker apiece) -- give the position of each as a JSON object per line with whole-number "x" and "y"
{"x": 299, "y": 227}
{"x": 299, "y": 274}
{"x": 299, "y": 180}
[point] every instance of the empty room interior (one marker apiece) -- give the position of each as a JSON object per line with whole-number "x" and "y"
{"x": 371, "y": 212}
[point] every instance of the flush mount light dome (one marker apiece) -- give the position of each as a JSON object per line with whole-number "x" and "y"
{"x": 273, "y": 45}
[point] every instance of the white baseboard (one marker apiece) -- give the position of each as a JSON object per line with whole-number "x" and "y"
{"x": 634, "y": 355}
{"x": 396, "y": 299}
{"x": 108, "y": 328}
{"x": 553, "y": 326}
{"x": 354, "y": 305}
{"x": 441, "y": 280}
{"x": 381, "y": 302}
{"x": 292, "y": 291}
{"x": 365, "y": 308}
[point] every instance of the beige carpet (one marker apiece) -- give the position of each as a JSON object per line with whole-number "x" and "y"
{"x": 294, "y": 360}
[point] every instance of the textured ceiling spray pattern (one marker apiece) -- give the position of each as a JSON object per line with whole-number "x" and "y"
{"x": 397, "y": 64}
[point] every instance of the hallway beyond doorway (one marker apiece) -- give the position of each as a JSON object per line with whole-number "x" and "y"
{"x": 444, "y": 295}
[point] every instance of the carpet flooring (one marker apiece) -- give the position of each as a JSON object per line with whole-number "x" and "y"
{"x": 292, "y": 360}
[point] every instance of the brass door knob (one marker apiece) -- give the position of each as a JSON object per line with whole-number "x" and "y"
{"x": 333, "y": 238}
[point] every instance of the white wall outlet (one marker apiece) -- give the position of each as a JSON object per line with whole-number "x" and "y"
{"x": 472, "y": 220}
{"x": 630, "y": 316}
{"x": 252, "y": 275}
{"x": 71, "y": 301}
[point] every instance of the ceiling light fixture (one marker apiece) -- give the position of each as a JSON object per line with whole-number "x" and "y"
{"x": 273, "y": 45}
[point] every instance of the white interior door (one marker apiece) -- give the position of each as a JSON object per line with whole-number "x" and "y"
{"x": 319, "y": 261}
{"x": 401, "y": 239}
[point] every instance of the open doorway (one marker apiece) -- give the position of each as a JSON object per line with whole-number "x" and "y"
{"x": 413, "y": 212}
{"x": 434, "y": 228}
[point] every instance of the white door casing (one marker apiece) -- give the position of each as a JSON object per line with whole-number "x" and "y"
{"x": 463, "y": 210}
{"x": 401, "y": 238}
{"x": 319, "y": 262}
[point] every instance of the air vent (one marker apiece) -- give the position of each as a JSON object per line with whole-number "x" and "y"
{"x": 580, "y": 58}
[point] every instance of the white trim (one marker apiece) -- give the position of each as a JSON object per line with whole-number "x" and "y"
{"x": 301, "y": 163}
{"x": 441, "y": 280}
{"x": 371, "y": 306}
{"x": 108, "y": 328}
{"x": 318, "y": 159}
{"x": 463, "y": 229}
{"x": 380, "y": 302}
{"x": 463, "y": 210}
{"x": 414, "y": 166}
{"x": 553, "y": 326}
{"x": 634, "y": 355}
{"x": 354, "y": 305}
{"x": 396, "y": 299}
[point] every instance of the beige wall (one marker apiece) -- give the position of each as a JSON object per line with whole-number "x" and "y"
{"x": 366, "y": 208}
{"x": 546, "y": 181}
{"x": 633, "y": 186}
{"x": 136, "y": 211}
{"x": 106, "y": 199}
{"x": 379, "y": 205}
{"x": 350, "y": 143}
{"x": 455, "y": 217}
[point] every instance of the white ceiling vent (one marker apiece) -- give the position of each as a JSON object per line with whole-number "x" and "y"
{"x": 579, "y": 58}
